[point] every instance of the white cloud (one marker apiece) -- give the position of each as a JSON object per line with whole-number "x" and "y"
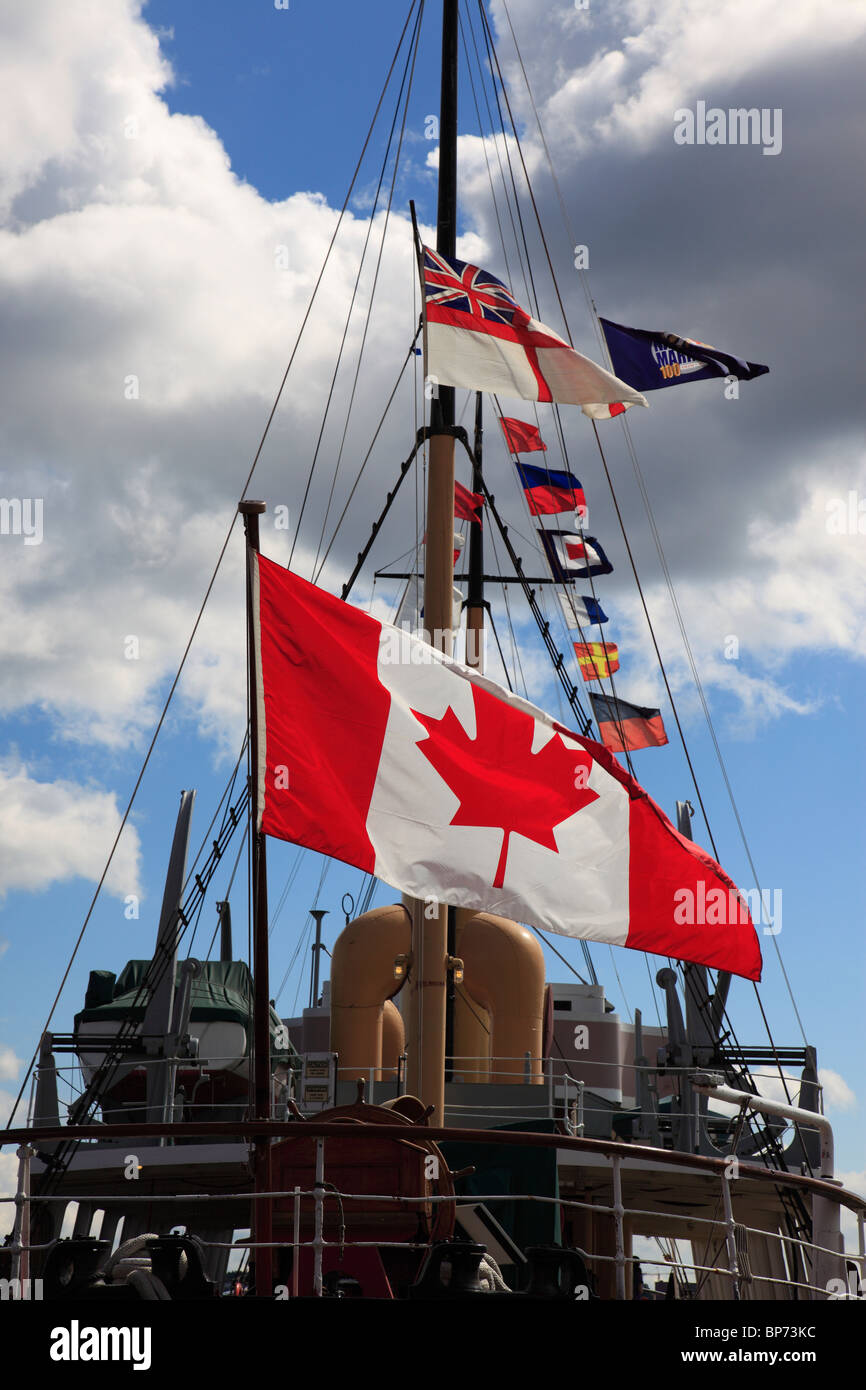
{"x": 147, "y": 257}
{"x": 769, "y": 1085}
{"x": 54, "y": 831}
{"x": 854, "y": 1179}
{"x": 770, "y": 608}
{"x": 10, "y": 1065}
{"x": 837, "y": 1093}
{"x": 648, "y": 57}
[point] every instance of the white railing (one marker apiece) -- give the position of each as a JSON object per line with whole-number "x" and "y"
{"x": 21, "y": 1247}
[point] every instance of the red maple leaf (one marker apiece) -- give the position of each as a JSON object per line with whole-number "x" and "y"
{"x": 499, "y": 780}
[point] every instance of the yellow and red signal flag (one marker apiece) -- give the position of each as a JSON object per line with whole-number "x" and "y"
{"x": 597, "y": 660}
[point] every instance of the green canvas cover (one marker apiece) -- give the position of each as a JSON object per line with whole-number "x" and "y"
{"x": 222, "y": 993}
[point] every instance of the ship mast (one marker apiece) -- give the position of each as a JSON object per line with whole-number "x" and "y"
{"x": 429, "y": 972}
{"x": 262, "y": 1215}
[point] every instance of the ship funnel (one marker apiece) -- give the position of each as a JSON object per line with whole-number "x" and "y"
{"x": 363, "y": 977}
{"x": 504, "y": 976}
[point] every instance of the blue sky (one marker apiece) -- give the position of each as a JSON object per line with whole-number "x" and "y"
{"x": 739, "y": 494}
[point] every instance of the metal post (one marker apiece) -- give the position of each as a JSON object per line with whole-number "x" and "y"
{"x": 21, "y": 1228}
{"x": 580, "y": 1090}
{"x": 296, "y": 1243}
{"x": 618, "y": 1211}
{"x": 730, "y": 1237}
{"x": 317, "y": 913}
{"x": 319, "y": 1187}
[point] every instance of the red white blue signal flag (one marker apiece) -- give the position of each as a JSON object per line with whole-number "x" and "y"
{"x": 551, "y": 490}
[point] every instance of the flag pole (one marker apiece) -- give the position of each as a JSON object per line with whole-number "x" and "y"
{"x": 461, "y": 1019}
{"x": 428, "y": 976}
{"x": 262, "y": 1214}
{"x": 475, "y": 591}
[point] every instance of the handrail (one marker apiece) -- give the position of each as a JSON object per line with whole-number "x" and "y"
{"x": 21, "y": 1247}
{"x": 711, "y": 1086}
{"x": 281, "y": 1129}
{"x": 577, "y": 1061}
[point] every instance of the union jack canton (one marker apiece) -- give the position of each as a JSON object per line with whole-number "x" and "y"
{"x": 455, "y": 285}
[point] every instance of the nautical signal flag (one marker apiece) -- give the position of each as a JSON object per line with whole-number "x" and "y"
{"x": 521, "y": 437}
{"x": 467, "y": 505}
{"x": 597, "y": 660}
{"x": 550, "y": 490}
{"x": 650, "y": 361}
{"x": 624, "y": 727}
{"x": 573, "y": 557}
{"x": 382, "y": 752}
{"x": 580, "y": 610}
{"x": 478, "y": 336}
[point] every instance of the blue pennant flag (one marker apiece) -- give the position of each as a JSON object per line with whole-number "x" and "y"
{"x": 649, "y": 361}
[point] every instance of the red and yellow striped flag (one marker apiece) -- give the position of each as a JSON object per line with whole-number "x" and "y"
{"x": 597, "y": 660}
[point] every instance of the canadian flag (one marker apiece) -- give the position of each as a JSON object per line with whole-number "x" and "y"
{"x": 382, "y": 752}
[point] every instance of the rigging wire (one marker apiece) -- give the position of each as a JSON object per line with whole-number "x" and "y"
{"x": 533, "y": 299}
{"x": 499, "y": 648}
{"x": 543, "y": 938}
{"x": 515, "y": 650}
{"x": 619, "y": 982}
{"x": 409, "y": 355}
{"x": 531, "y": 295}
{"x": 325, "y": 262}
{"x": 410, "y": 71}
{"x": 226, "y": 894}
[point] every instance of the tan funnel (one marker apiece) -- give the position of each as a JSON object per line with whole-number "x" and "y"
{"x": 393, "y": 1039}
{"x": 362, "y": 979}
{"x": 503, "y": 975}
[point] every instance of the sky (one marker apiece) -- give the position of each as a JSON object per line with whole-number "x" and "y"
{"x": 170, "y": 175}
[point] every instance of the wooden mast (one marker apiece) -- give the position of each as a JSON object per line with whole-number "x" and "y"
{"x": 262, "y": 1215}
{"x": 475, "y": 591}
{"x": 429, "y": 970}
